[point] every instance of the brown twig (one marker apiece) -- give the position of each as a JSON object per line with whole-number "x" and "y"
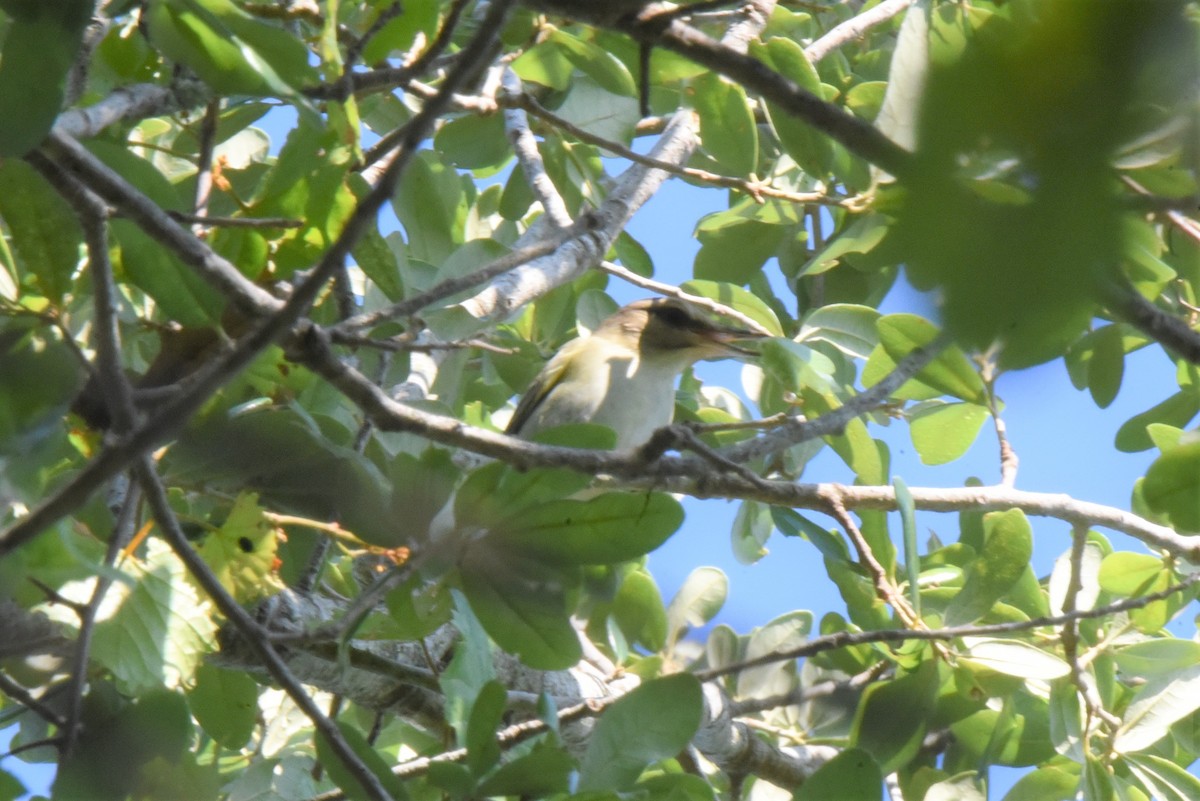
{"x": 887, "y": 591}
{"x": 847, "y": 639}
{"x": 755, "y": 189}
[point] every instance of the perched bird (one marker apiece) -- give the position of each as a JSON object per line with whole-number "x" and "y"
{"x": 623, "y": 375}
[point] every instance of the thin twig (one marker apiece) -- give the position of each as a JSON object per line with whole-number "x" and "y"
{"x": 800, "y": 429}
{"x": 509, "y": 261}
{"x": 847, "y": 639}
{"x": 671, "y": 291}
{"x": 204, "y": 164}
{"x": 1069, "y": 636}
{"x": 23, "y": 697}
{"x": 884, "y": 587}
{"x": 680, "y": 437}
{"x": 1008, "y": 457}
{"x": 516, "y": 125}
{"x": 755, "y": 189}
{"x": 206, "y": 221}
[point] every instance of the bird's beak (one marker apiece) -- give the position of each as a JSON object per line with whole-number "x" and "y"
{"x": 727, "y": 339}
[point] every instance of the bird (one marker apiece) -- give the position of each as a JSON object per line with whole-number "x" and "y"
{"x": 623, "y": 375}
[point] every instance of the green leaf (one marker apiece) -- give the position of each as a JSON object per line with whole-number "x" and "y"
{"x": 752, "y": 526}
{"x": 241, "y": 553}
{"x": 950, "y": 372}
{"x": 1097, "y": 782}
{"x": 614, "y": 527}
{"x": 1008, "y": 544}
{"x": 225, "y": 704}
{"x": 638, "y": 610}
{"x": 471, "y": 668}
{"x": 783, "y": 633}
{"x": 374, "y": 762}
{"x": 1164, "y": 436}
{"x": 39, "y": 49}
{"x": 29, "y": 409}
{"x": 892, "y": 717}
{"x": 280, "y": 453}
{"x": 1106, "y": 365}
{"x": 943, "y": 432}
{"x": 727, "y": 128}
{"x": 598, "y": 111}
{"x": 1015, "y": 658}
{"x": 545, "y": 771}
{"x": 848, "y": 327}
{"x": 653, "y": 722}
{"x": 474, "y": 142}
{"x": 855, "y": 445}
{"x": 45, "y": 232}
{"x": 487, "y": 710}
{"x": 633, "y": 255}
{"x": 524, "y": 605}
{"x": 676, "y": 786}
{"x": 1136, "y": 575}
{"x": 162, "y": 629}
{"x": 1046, "y": 783}
{"x": 595, "y": 62}
{"x": 495, "y": 495}
{"x": 852, "y": 775}
{"x": 698, "y": 601}
{"x": 230, "y": 50}
{"x": 420, "y": 17}
{"x": 1163, "y": 778}
{"x": 793, "y": 524}
{"x": 810, "y": 148}
{"x": 180, "y": 293}
{"x": 1066, "y": 719}
{"x": 374, "y": 256}
{"x": 1157, "y": 705}
{"x": 545, "y": 63}
{"x": 432, "y": 204}
{"x": 866, "y": 98}
{"x": 856, "y": 241}
{"x": 1177, "y": 410}
{"x": 735, "y": 253}
{"x": 1158, "y": 658}
{"x": 912, "y": 555}
{"x": 1089, "y": 578}
{"x": 1172, "y": 485}
{"x": 119, "y": 741}
{"x": 906, "y": 79}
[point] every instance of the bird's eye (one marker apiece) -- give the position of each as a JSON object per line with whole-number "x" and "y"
{"x": 673, "y": 316}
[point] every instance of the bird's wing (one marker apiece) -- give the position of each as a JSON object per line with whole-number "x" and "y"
{"x": 546, "y": 381}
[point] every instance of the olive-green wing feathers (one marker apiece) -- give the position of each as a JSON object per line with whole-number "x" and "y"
{"x": 546, "y": 380}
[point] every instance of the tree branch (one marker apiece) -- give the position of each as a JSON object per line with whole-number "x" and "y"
{"x": 1164, "y": 328}
{"x": 846, "y": 639}
{"x": 857, "y": 136}
{"x": 854, "y": 28}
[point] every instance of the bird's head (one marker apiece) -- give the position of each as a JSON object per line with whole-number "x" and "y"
{"x": 674, "y": 329}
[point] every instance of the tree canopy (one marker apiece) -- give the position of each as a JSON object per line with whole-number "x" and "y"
{"x": 263, "y": 536}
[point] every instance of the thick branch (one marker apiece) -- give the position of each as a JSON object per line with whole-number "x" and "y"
{"x": 1166, "y": 329}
